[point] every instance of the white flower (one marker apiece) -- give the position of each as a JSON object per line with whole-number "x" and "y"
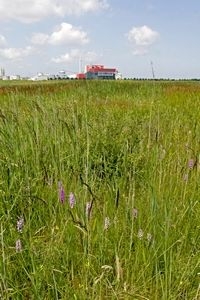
{"x": 20, "y": 224}
{"x": 140, "y": 233}
{"x": 18, "y": 246}
{"x": 106, "y": 223}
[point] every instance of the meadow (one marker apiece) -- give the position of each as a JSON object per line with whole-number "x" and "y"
{"x": 100, "y": 190}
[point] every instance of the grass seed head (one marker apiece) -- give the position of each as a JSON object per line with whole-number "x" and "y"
{"x": 185, "y": 177}
{"x": 88, "y": 209}
{"x": 135, "y": 213}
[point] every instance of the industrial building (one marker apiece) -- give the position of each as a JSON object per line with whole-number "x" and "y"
{"x": 97, "y": 72}
{"x": 90, "y": 72}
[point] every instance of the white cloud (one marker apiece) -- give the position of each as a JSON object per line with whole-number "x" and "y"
{"x": 67, "y": 57}
{"x": 29, "y": 11}
{"x": 91, "y": 57}
{"x": 16, "y": 53}
{"x": 75, "y": 54}
{"x": 142, "y": 38}
{"x": 140, "y": 51}
{"x": 68, "y": 34}
{"x": 39, "y": 38}
{"x": 2, "y": 41}
{"x": 65, "y": 34}
{"x": 62, "y": 58}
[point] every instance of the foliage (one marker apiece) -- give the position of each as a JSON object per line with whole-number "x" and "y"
{"x": 99, "y": 187}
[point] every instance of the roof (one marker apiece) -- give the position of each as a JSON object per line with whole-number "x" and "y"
{"x": 101, "y": 68}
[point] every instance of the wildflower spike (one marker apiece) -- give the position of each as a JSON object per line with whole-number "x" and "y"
{"x": 18, "y": 246}
{"x": 72, "y": 200}
{"x": 140, "y": 233}
{"x": 20, "y": 224}
{"x": 191, "y": 163}
{"x": 106, "y": 223}
{"x": 61, "y": 192}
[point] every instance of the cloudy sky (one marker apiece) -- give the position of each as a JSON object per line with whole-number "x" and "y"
{"x": 131, "y": 35}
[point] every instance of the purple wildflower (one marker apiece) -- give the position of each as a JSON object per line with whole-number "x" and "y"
{"x": 72, "y": 200}
{"x": 191, "y": 163}
{"x": 61, "y": 192}
{"x": 18, "y": 246}
{"x": 20, "y": 224}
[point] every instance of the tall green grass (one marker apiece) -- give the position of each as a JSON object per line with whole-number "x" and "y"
{"x": 131, "y": 149}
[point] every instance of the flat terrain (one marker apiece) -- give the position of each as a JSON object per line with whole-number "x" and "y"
{"x": 100, "y": 190}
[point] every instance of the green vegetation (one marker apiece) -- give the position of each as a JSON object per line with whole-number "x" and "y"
{"x": 128, "y": 151}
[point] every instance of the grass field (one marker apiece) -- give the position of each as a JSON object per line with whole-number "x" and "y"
{"x": 100, "y": 190}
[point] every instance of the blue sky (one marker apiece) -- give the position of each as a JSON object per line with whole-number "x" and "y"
{"x": 52, "y": 35}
